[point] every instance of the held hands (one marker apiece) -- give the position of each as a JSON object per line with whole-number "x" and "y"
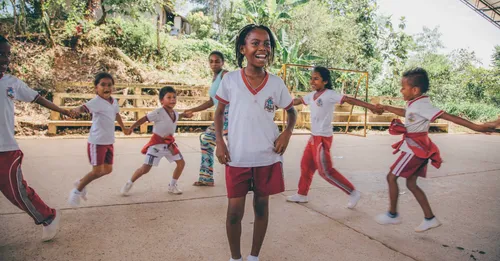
{"x": 73, "y": 113}
{"x": 187, "y": 114}
{"x": 127, "y": 131}
{"x": 488, "y": 126}
{"x": 281, "y": 142}
{"x": 379, "y": 109}
{"x": 222, "y": 153}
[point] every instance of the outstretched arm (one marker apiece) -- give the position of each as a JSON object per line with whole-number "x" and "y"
{"x": 398, "y": 111}
{"x": 467, "y": 124}
{"x": 120, "y": 122}
{"x": 51, "y": 106}
{"x": 361, "y": 103}
{"x": 202, "y": 107}
{"x": 137, "y": 124}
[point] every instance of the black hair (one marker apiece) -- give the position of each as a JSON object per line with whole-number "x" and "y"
{"x": 241, "y": 38}
{"x": 417, "y": 77}
{"x": 3, "y": 40}
{"x": 165, "y": 90}
{"x": 325, "y": 75}
{"x": 218, "y": 54}
{"x": 103, "y": 75}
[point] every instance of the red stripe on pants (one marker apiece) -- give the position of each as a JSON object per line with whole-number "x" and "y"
{"x": 17, "y": 191}
{"x": 317, "y": 157}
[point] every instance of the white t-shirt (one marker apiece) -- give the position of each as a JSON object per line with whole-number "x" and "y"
{"x": 163, "y": 124}
{"x": 418, "y": 117}
{"x": 104, "y": 113}
{"x": 322, "y": 111}
{"x": 251, "y": 128}
{"x": 11, "y": 89}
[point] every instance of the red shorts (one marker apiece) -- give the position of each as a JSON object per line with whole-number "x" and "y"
{"x": 408, "y": 164}
{"x": 263, "y": 181}
{"x": 100, "y": 154}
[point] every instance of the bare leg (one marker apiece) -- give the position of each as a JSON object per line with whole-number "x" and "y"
{"x": 95, "y": 173}
{"x": 235, "y": 211}
{"x": 392, "y": 180}
{"x": 419, "y": 194}
{"x": 178, "y": 169}
{"x": 261, "y": 209}
{"x": 145, "y": 168}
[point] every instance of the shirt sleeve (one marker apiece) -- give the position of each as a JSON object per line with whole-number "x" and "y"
{"x": 335, "y": 97}
{"x": 24, "y": 93}
{"x": 285, "y": 100}
{"x": 308, "y": 99}
{"x": 92, "y": 106}
{"x": 153, "y": 116}
{"x": 224, "y": 92}
{"x": 116, "y": 106}
{"x": 428, "y": 111}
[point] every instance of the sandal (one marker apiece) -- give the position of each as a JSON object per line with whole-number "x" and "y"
{"x": 203, "y": 184}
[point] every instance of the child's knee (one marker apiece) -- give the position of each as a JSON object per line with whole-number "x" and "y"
{"x": 391, "y": 178}
{"x": 234, "y": 216}
{"x": 145, "y": 168}
{"x": 261, "y": 207}
{"x": 180, "y": 163}
{"x": 411, "y": 184}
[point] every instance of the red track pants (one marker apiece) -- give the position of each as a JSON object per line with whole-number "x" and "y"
{"x": 17, "y": 191}
{"x": 317, "y": 156}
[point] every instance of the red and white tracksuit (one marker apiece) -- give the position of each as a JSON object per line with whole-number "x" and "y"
{"x": 317, "y": 157}
{"x": 17, "y": 191}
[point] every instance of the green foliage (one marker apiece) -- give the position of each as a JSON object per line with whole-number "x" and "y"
{"x": 201, "y": 25}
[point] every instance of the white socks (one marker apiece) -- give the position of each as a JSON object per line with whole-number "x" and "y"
{"x": 173, "y": 182}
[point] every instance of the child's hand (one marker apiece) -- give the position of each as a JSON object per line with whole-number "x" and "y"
{"x": 187, "y": 114}
{"x": 222, "y": 153}
{"x": 73, "y": 113}
{"x": 127, "y": 131}
{"x": 493, "y": 124}
{"x": 282, "y": 142}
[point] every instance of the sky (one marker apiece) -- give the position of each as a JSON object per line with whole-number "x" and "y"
{"x": 460, "y": 26}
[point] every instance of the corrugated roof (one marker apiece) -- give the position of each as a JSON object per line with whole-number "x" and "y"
{"x": 489, "y": 9}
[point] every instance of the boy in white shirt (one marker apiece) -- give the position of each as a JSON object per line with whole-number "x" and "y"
{"x": 416, "y": 147}
{"x": 105, "y": 111}
{"x": 12, "y": 183}
{"x": 162, "y": 143}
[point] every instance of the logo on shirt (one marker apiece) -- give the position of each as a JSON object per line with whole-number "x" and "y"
{"x": 10, "y": 92}
{"x": 411, "y": 117}
{"x": 319, "y": 102}
{"x": 269, "y": 105}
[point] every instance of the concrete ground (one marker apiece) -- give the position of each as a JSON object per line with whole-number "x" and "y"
{"x": 150, "y": 224}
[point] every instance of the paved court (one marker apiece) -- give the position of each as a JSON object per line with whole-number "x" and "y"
{"x": 150, "y": 224}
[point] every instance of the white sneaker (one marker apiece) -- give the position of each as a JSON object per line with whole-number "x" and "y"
{"x": 252, "y": 258}
{"x": 231, "y": 259}
{"x": 126, "y": 188}
{"x": 297, "y": 198}
{"x": 428, "y": 224}
{"x": 384, "y": 219}
{"x": 353, "y": 199}
{"x": 174, "y": 189}
{"x": 50, "y": 231}
{"x": 74, "y": 198}
{"x": 83, "y": 193}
